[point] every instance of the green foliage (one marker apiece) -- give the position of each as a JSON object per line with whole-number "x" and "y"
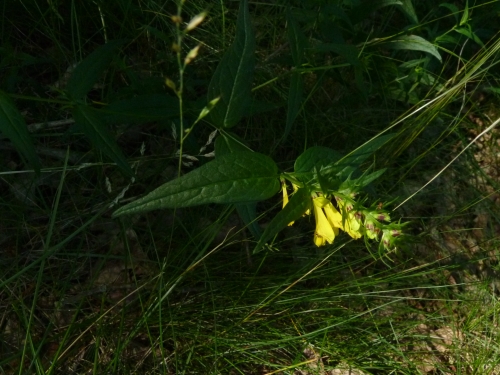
{"x": 238, "y": 177}
{"x": 298, "y": 205}
{"x": 413, "y": 43}
{"x": 12, "y": 124}
{"x": 344, "y": 104}
{"x": 232, "y": 80}
{"x": 315, "y": 157}
{"x": 90, "y": 70}
{"x": 95, "y": 129}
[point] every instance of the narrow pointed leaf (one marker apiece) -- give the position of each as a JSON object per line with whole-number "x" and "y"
{"x": 347, "y": 51}
{"x": 294, "y": 102}
{"x": 407, "y": 8}
{"x": 465, "y": 15}
{"x": 13, "y": 126}
{"x": 239, "y": 177}
{"x": 362, "y": 182}
{"x": 296, "y": 39}
{"x": 299, "y": 203}
{"x": 232, "y": 80}
{"x": 90, "y": 70}
{"x": 465, "y": 30}
{"x": 413, "y": 43}
{"x": 315, "y": 157}
{"x": 352, "y": 161}
{"x": 91, "y": 123}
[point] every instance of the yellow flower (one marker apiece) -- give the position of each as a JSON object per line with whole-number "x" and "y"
{"x": 285, "y": 194}
{"x": 285, "y": 199}
{"x": 332, "y": 214}
{"x": 351, "y": 222}
{"x": 325, "y": 231}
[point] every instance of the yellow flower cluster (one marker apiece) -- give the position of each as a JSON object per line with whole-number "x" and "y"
{"x": 329, "y": 220}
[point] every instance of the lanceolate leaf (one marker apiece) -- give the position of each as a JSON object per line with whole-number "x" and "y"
{"x": 299, "y": 203}
{"x": 315, "y": 157}
{"x": 294, "y": 102}
{"x": 407, "y": 7}
{"x": 12, "y": 124}
{"x": 352, "y": 161}
{"x": 296, "y": 39}
{"x": 239, "y": 177}
{"x": 232, "y": 80}
{"x": 95, "y": 129}
{"x": 90, "y": 69}
{"x": 361, "y": 182}
{"x": 413, "y": 43}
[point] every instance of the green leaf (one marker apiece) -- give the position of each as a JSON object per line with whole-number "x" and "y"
{"x": 13, "y": 126}
{"x": 335, "y": 11}
{"x": 238, "y": 177}
{"x": 248, "y": 213}
{"x": 347, "y": 51}
{"x": 142, "y": 108}
{"x": 299, "y": 203}
{"x": 296, "y": 39}
{"x": 90, "y": 69}
{"x": 465, "y": 30}
{"x": 452, "y": 8}
{"x": 315, "y": 157}
{"x": 353, "y": 161}
{"x": 407, "y": 8}
{"x": 232, "y": 80}
{"x": 228, "y": 142}
{"x": 92, "y": 125}
{"x": 361, "y": 182}
{"x": 294, "y": 102}
{"x": 413, "y": 43}
{"x": 367, "y": 7}
{"x": 465, "y": 15}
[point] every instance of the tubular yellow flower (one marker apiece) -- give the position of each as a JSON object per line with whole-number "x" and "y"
{"x": 333, "y": 215}
{"x": 351, "y": 223}
{"x": 285, "y": 194}
{"x": 324, "y": 232}
{"x": 285, "y": 199}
